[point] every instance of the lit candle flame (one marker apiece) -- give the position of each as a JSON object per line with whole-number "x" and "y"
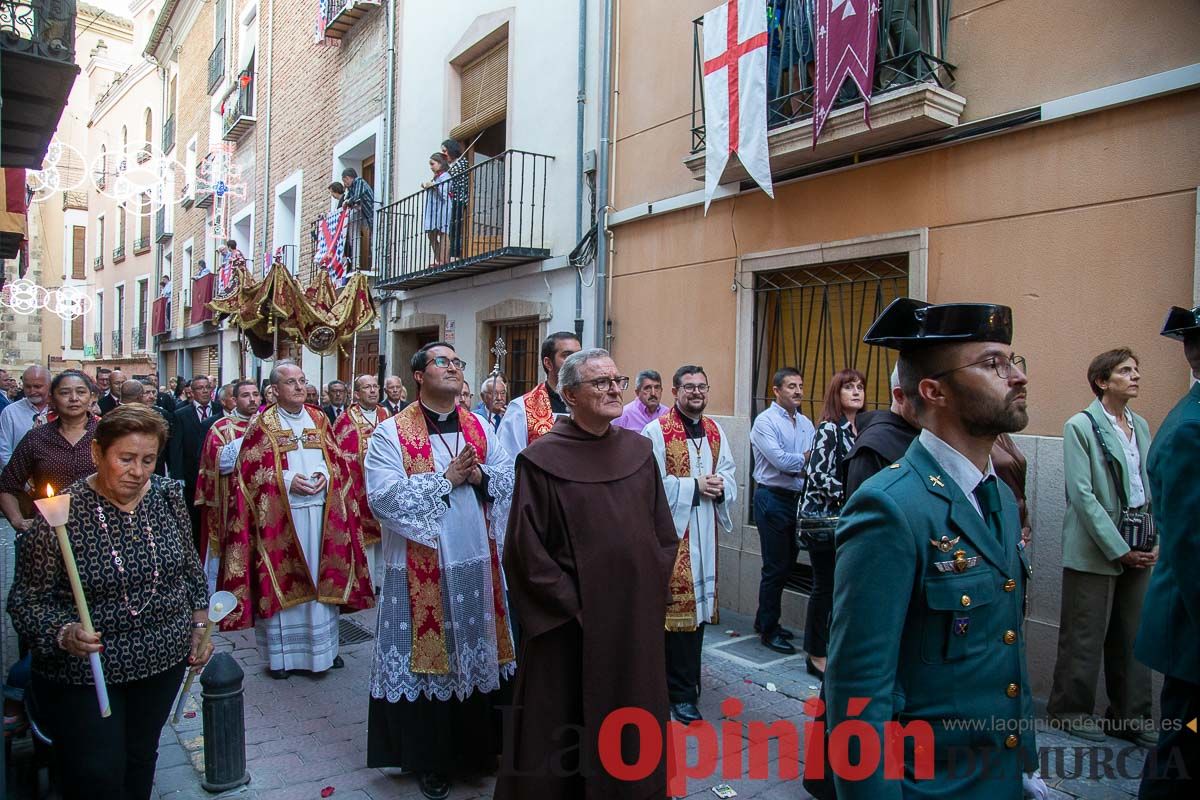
{"x": 49, "y": 490}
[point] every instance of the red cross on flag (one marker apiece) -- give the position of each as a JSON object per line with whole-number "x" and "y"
{"x": 847, "y": 36}
{"x": 735, "y": 92}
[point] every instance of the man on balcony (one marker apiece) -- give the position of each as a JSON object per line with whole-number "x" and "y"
{"x": 360, "y": 196}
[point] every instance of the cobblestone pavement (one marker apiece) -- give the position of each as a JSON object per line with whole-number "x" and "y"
{"x": 307, "y": 734}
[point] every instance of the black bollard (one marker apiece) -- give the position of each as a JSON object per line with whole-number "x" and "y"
{"x": 224, "y": 724}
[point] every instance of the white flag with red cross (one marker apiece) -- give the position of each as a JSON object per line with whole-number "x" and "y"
{"x": 735, "y": 92}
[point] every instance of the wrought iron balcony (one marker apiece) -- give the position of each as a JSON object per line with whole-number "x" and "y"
{"x": 168, "y": 135}
{"x": 98, "y": 344}
{"x": 98, "y": 262}
{"x": 343, "y": 249}
{"x": 143, "y": 155}
{"x": 216, "y": 65}
{"x": 75, "y": 199}
{"x": 160, "y": 317}
{"x": 911, "y": 92}
{"x": 137, "y": 339}
{"x": 341, "y": 15}
{"x": 491, "y": 217}
{"x": 118, "y": 254}
{"x": 202, "y": 196}
{"x": 37, "y": 60}
{"x": 239, "y": 113}
{"x": 162, "y": 225}
{"x": 141, "y": 245}
{"x": 116, "y": 341}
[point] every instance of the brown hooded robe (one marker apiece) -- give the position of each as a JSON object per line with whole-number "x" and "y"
{"x": 588, "y": 558}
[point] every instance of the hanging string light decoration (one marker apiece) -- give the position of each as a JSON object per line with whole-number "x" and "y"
{"x": 26, "y": 297}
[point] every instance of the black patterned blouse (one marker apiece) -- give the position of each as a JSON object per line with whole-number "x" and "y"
{"x": 144, "y": 620}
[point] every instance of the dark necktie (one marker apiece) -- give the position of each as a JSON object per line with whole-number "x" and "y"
{"x": 202, "y": 412}
{"x": 987, "y": 494}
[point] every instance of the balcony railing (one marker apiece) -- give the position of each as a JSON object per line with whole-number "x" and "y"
{"x": 37, "y": 40}
{"x": 118, "y": 254}
{"x": 160, "y": 317}
{"x": 75, "y": 199}
{"x": 98, "y": 262}
{"x": 116, "y": 340}
{"x": 316, "y": 254}
{"x": 202, "y": 197}
{"x": 141, "y": 245}
{"x": 216, "y": 65}
{"x": 911, "y": 93}
{"x": 98, "y": 344}
{"x": 137, "y": 339}
{"x": 492, "y": 216}
{"x": 341, "y": 15}
{"x": 143, "y": 155}
{"x": 162, "y": 225}
{"x": 168, "y": 135}
{"x": 239, "y": 113}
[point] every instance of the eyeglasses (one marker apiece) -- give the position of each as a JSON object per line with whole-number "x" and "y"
{"x": 695, "y": 388}
{"x": 445, "y": 361}
{"x": 1002, "y": 365}
{"x": 295, "y": 382}
{"x": 605, "y": 384}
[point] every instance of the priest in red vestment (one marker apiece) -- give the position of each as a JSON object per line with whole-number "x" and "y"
{"x": 294, "y": 555}
{"x": 532, "y": 415}
{"x": 588, "y": 509}
{"x": 352, "y": 432}
{"x": 216, "y": 492}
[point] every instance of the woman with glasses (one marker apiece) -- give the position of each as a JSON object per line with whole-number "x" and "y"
{"x": 823, "y": 497}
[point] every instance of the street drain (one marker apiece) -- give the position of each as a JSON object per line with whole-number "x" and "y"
{"x": 350, "y": 632}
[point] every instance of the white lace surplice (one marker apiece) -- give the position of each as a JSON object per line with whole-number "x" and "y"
{"x": 414, "y": 508}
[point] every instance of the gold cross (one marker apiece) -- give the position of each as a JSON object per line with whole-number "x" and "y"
{"x": 936, "y": 480}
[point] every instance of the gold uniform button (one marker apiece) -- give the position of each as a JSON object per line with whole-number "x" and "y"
{"x": 1009, "y": 585}
{"x": 1010, "y": 637}
{"x": 1013, "y": 690}
{"x": 1011, "y": 741}
{"x": 966, "y": 600}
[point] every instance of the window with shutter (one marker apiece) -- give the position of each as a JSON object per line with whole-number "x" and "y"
{"x": 78, "y": 253}
{"x": 484, "y": 95}
{"x": 77, "y": 333}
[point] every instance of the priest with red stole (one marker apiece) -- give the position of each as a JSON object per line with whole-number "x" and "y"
{"x": 438, "y": 481}
{"x": 216, "y": 490}
{"x": 532, "y": 415}
{"x": 588, "y": 554}
{"x": 352, "y": 432}
{"x": 294, "y": 556}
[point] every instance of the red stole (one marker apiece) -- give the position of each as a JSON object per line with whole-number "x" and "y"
{"x": 539, "y": 416}
{"x": 263, "y": 563}
{"x": 213, "y": 489}
{"x": 681, "y": 609}
{"x": 352, "y": 432}
{"x": 429, "y": 653}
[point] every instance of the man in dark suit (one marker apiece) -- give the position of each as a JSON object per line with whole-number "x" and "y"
{"x": 112, "y": 398}
{"x": 337, "y": 401}
{"x": 187, "y": 440}
{"x": 145, "y": 392}
{"x": 393, "y": 390}
{"x": 1170, "y": 629}
{"x": 164, "y": 400}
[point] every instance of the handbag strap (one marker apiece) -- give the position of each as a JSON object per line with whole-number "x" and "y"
{"x": 1109, "y": 460}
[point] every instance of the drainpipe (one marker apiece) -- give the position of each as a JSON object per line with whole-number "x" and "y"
{"x": 581, "y": 109}
{"x": 266, "y": 164}
{"x": 601, "y": 322}
{"x": 385, "y": 180}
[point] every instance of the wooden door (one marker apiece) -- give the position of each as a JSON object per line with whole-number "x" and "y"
{"x": 364, "y": 231}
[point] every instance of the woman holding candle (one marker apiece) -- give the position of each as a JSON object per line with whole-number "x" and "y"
{"x": 132, "y": 542}
{"x": 55, "y": 454}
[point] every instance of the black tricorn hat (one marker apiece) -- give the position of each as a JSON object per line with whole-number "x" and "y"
{"x": 1180, "y": 321}
{"x": 908, "y": 324}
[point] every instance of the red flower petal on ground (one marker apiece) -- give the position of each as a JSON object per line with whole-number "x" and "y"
{"x": 327, "y": 791}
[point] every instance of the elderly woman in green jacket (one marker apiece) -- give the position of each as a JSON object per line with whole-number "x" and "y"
{"x": 1104, "y": 580}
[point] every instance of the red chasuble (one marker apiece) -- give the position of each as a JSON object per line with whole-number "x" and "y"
{"x": 539, "y": 416}
{"x": 214, "y": 492}
{"x": 352, "y": 432}
{"x": 263, "y": 564}
{"x": 681, "y": 610}
{"x": 429, "y": 653}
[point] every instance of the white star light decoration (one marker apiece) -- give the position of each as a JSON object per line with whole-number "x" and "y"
{"x": 26, "y": 297}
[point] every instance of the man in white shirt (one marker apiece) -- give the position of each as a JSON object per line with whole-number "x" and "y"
{"x": 18, "y": 418}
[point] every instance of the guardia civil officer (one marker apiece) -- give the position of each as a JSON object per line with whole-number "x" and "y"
{"x": 930, "y": 578}
{"x": 1168, "y": 640}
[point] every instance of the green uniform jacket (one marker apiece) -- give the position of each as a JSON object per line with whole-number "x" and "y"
{"x": 1090, "y": 540}
{"x": 927, "y": 643}
{"x": 1169, "y": 638}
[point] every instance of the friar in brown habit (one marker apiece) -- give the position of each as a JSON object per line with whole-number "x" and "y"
{"x": 588, "y": 557}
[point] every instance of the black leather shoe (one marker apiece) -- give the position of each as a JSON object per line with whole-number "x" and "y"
{"x": 685, "y": 712}
{"x": 813, "y": 669}
{"x": 778, "y": 644}
{"x": 279, "y": 674}
{"x": 337, "y": 663}
{"x": 784, "y": 632}
{"x": 434, "y": 785}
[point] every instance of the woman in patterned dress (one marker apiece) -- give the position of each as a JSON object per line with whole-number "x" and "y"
{"x": 132, "y": 541}
{"x": 823, "y": 496}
